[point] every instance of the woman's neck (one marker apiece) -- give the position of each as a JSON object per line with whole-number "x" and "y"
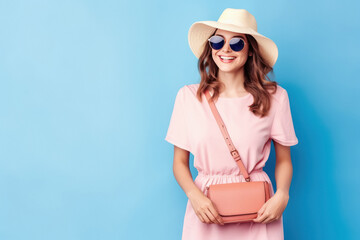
{"x": 234, "y": 83}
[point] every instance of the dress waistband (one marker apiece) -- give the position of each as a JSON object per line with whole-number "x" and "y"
{"x": 232, "y": 174}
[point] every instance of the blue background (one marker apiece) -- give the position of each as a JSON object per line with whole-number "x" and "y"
{"x": 87, "y": 90}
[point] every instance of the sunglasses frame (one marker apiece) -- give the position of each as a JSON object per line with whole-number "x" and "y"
{"x": 225, "y": 42}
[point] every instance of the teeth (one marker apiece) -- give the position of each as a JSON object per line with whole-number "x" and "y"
{"x": 227, "y": 58}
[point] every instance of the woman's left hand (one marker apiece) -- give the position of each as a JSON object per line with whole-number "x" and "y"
{"x": 273, "y": 208}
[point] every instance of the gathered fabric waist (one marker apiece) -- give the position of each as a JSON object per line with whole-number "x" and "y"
{"x": 204, "y": 179}
{"x": 202, "y": 173}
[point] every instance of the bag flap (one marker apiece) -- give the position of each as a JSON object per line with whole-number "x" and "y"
{"x": 237, "y": 198}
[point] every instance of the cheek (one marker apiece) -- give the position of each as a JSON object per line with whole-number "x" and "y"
{"x": 214, "y": 56}
{"x": 216, "y": 59}
{"x": 241, "y": 60}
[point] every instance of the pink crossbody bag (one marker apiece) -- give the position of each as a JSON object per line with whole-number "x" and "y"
{"x": 236, "y": 202}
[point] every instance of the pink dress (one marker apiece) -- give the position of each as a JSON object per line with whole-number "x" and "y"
{"x": 194, "y": 128}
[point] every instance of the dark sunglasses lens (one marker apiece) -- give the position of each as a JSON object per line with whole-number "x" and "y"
{"x": 216, "y": 42}
{"x": 237, "y": 44}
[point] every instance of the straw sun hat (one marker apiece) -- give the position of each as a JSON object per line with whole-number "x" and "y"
{"x": 234, "y": 20}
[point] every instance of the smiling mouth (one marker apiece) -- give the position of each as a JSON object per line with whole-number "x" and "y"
{"x": 226, "y": 59}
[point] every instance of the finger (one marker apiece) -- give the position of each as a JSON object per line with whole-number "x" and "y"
{"x": 210, "y": 216}
{"x": 200, "y": 217}
{"x": 267, "y": 220}
{"x": 257, "y": 218}
{"x": 262, "y": 209}
{"x": 271, "y": 219}
{"x": 206, "y": 218}
{"x": 216, "y": 215}
{"x": 262, "y": 217}
{"x": 213, "y": 217}
{"x": 260, "y": 212}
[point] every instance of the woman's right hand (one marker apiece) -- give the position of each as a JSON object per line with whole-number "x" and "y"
{"x": 204, "y": 208}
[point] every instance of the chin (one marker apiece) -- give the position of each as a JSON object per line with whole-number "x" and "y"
{"x": 224, "y": 67}
{"x": 229, "y": 69}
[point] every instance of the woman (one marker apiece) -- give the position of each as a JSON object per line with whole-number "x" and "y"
{"x": 234, "y": 60}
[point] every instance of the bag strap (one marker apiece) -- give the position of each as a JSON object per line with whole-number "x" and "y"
{"x": 234, "y": 153}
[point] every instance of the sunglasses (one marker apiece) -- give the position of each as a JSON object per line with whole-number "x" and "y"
{"x": 217, "y": 42}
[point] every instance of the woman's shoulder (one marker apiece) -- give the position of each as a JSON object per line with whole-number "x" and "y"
{"x": 189, "y": 90}
{"x": 186, "y": 95}
{"x": 192, "y": 87}
{"x": 278, "y": 95}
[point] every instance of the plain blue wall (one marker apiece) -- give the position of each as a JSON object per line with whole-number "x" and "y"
{"x": 87, "y": 90}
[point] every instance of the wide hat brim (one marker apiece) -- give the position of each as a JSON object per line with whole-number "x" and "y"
{"x": 199, "y": 33}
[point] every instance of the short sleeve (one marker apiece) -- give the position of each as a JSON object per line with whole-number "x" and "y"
{"x": 177, "y": 132}
{"x": 282, "y": 130}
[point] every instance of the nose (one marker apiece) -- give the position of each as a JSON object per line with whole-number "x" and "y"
{"x": 226, "y": 47}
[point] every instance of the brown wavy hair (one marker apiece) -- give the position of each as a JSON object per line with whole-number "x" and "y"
{"x": 256, "y": 81}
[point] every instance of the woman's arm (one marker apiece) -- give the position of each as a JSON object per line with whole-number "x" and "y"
{"x": 201, "y": 204}
{"x": 182, "y": 172}
{"x": 275, "y": 206}
{"x": 283, "y": 168}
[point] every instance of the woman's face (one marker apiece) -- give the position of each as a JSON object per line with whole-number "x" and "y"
{"x": 240, "y": 57}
